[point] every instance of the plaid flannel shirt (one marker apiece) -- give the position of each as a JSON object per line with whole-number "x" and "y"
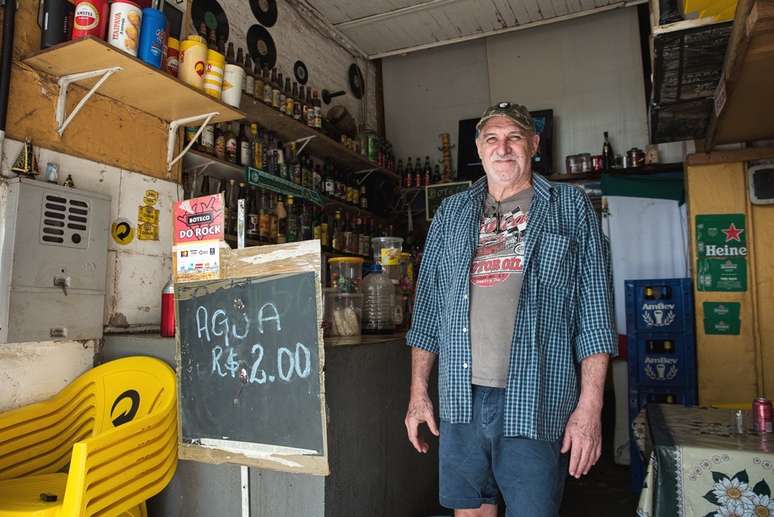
{"x": 565, "y": 311}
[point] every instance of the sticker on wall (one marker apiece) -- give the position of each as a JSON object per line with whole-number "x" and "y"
{"x": 721, "y": 235}
{"x": 721, "y": 318}
{"x": 729, "y": 274}
{"x": 148, "y": 217}
{"x": 122, "y": 231}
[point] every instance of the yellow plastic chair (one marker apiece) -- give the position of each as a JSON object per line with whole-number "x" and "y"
{"x": 100, "y": 447}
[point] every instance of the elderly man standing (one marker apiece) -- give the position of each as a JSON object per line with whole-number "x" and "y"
{"x": 513, "y": 297}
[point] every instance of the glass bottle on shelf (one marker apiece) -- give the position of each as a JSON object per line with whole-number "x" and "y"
{"x": 258, "y": 82}
{"x": 289, "y": 99}
{"x": 317, "y": 110}
{"x": 418, "y": 175}
{"x": 316, "y": 178}
{"x": 273, "y": 219}
{"x": 291, "y": 221}
{"x": 408, "y": 174}
{"x": 325, "y": 235}
{"x": 275, "y": 90}
{"x": 365, "y": 240}
{"x": 306, "y": 223}
{"x": 338, "y": 233}
{"x": 282, "y": 220}
{"x": 282, "y": 93}
{"x": 230, "y": 139}
{"x": 329, "y": 181}
{"x": 249, "y": 81}
{"x": 264, "y": 219}
{"x": 363, "y": 197}
{"x": 267, "y": 86}
{"x": 230, "y": 53}
{"x": 348, "y": 234}
{"x": 257, "y": 145}
{"x": 317, "y": 225}
{"x": 307, "y": 176}
{"x": 309, "y": 107}
{"x": 220, "y": 141}
{"x": 297, "y": 104}
{"x": 252, "y": 222}
{"x": 245, "y": 146}
{"x": 230, "y": 208}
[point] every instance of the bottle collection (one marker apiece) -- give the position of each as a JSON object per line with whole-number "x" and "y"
{"x": 417, "y": 174}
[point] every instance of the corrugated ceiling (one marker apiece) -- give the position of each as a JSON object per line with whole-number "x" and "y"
{"x": 386, "y": 27}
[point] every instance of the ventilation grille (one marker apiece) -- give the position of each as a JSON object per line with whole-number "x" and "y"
{"x": 64, "y": 222}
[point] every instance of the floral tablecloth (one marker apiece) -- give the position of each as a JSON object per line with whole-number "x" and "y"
{"x": 700, "y": 466}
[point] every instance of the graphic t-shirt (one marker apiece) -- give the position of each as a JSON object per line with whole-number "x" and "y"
{"x": 495, "y": 284}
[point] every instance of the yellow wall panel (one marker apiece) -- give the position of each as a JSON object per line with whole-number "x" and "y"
{"x": 726, "y": 364}
{"x": 763, "y": 246}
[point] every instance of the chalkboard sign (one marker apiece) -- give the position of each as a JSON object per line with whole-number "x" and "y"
{"x": 434, "y": 194}
{"x": 249, "y": 369}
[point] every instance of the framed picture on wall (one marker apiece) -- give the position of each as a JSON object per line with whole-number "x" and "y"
{"x": 469, "y": 164}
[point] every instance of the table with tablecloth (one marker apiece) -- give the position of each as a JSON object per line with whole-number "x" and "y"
{"x": 701, "y": 466}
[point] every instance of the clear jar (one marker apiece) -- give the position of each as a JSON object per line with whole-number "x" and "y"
{"x": 379, "y": 302}
{"x": 343, "y": 313}
{"x": 346, "y": 274}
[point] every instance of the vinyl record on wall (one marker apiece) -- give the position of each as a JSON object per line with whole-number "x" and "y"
{"x": 300, "y": 71}
{"x": 265, "y": 11}
{"x": 356, "y": 83}
{"x": 261, "y": 46}
{"x": 211, "y": 13}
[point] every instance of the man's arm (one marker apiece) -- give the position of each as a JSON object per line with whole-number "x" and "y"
{"x": 583, "y": 434}
{"x": 420, "y": 408}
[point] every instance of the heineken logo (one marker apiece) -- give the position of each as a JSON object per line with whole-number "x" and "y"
{"x": 732, "y": 233}
{"x": 712, "y": 250}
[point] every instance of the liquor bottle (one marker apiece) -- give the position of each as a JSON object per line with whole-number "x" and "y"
{"x": 317, "y": 179}
{"x": 252, "y": 216}
{"x": 203, "y": 30}
{"x": 409, "y": 174}
{"x": 306, "y": 222}
{"x": 355, "y": 194}
{"x": 363, "y": 197}
{"x": 608, "y": 157}
{"x": 282, "y": 96}
{"x": 297, "y": 102}
{"x": 291, "y": 221}
{"x": 428, "y": 171}
{"x": 220, "y": 141}
{"x": 309, "y": 107}
{"x": 317, "y": 226}
{"x": 232, "y": 154}
{"x": 208, "y": 139}
{"x": 273, "y": 220}
{"x": 249, "y": 82}
{"x": 230, "y": 53}
{"x": 230, "y": 208}
{"x": 240, "y": 62}
{"x": 325, "y": 232}
{"x": 290, "y": 101}
{"x": 282, "y": 220}
{"x": 275, "y": 90}
{"x": 347, "y": 233}
{"x": 418, "y": 176}
{"x": 338, "y": 233}
{"x": 267, "y": 88}
{"x": 437, "y": 174}
{"x": 307, "y": 176}
{"x": 257, "y": 147}
{"x": 317, "y": 110}
{"x": 258, "y": 82}
{"x": 329, "y": 181}
{"x": 262, "y": 205}
{"x": 365, "y": 241}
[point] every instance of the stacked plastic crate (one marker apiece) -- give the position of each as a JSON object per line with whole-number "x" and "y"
{"x": 662, "y": 350}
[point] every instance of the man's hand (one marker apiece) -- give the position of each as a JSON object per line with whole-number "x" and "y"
{"x": 583, "y": 437}
{"x": 420, "y": 410}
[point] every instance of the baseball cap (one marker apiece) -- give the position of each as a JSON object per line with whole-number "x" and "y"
{"x": 516, "y": 112}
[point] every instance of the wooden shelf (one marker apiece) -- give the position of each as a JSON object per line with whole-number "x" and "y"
{"x": 321, "y": 146}
{"x": 138, "y": 85}
{"x": 215, "y": 167}
{"x": 744, "y": 105}
{"x": 654, "y": 168}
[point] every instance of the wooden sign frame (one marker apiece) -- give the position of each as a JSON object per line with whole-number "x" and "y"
{"x": 262, "y": 261}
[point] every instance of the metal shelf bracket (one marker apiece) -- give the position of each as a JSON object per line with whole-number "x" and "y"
{"x": 366, "y": 172}
{"x": 172, "y": 138}
{"x": 64, "y": 84}
{"x": 303, "y": 141}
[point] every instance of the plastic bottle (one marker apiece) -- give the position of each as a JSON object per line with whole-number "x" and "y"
{"x": 379, "y": 302}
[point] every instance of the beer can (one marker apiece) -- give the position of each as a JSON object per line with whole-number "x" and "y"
{"x": 762, "y": 415}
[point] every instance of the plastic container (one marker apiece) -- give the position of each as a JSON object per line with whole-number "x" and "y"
{"x": 213, "y": 79}
{"x": 379, "y": 302}
{"x": 173, "y": 56}
{"x": 232, "y": 85}
{"x": 153, "y": 37}
{"x": 124, "y": 26}
{"x": 387, "y": 252}
{"x": 346, "y": 274}
{"x": 193, "y": 61}
{"x": 343, "y": 313}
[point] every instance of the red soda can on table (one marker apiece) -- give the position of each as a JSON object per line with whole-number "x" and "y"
{"x": 763, "y": 420}
{"x": 90, "y": 18}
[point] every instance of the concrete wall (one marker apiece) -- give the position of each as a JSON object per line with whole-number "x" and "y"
{"x": 588, "y": 70}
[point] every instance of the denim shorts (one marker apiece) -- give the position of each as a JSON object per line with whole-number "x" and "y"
{"x": 476, "y": 461}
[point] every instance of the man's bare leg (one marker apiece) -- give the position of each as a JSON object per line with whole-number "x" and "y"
{"x": 485, "y": 510}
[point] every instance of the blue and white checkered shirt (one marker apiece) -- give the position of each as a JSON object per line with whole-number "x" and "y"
{"x": 565, "y": 310}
